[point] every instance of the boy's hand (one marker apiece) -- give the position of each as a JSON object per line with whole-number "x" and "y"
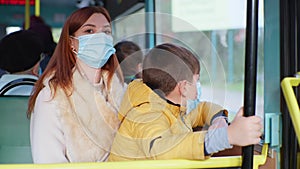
{"x": 244, "y": 131}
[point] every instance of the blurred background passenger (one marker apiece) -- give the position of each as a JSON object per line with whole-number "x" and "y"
{"x": 20, "y": 54}
{"x": 2, "y": 72}
{"x": 38, "y": 25}
{"x": 130, "y": 58}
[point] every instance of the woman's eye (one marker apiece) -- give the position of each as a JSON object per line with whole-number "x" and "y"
{"x": 107, "y": 32}
{"x": 89, "y": 31}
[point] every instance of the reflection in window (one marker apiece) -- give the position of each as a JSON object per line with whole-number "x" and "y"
{"x": 130, "y": 27}
{"x": 215, "y": 31}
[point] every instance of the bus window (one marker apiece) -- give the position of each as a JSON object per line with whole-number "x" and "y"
{"x": 125, "y": 28}
{"x": 216, "y": 33}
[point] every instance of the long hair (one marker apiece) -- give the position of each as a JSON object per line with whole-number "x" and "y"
{"x": 61, "y": 64}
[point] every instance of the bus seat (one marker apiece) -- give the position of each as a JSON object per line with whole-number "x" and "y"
{"x": 14, "y": 130}
{"x": 18, "y": 86}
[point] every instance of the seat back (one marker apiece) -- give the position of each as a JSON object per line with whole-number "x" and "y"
{"x": 14, "y": 130}
{"x": 18, "y": 87}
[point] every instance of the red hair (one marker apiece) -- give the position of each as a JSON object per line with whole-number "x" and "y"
{"x": 61, "y": 64}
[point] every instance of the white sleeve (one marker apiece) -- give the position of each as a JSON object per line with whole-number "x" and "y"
{"x": 46, "y": 135}
{"x": 117, "y": 91}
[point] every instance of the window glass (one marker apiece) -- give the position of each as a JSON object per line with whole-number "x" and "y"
{"x": 215, "y": 31}
{"x": 130, "y": 27}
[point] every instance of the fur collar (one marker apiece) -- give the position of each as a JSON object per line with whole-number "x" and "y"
{"x": 90, "y": 119}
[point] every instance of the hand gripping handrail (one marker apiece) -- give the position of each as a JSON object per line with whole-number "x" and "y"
{"x": 213, "y": 162}
{"x": 287, "y": 85}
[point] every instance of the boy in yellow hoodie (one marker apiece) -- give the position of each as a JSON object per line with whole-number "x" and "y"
{"x": 156, "y": 123}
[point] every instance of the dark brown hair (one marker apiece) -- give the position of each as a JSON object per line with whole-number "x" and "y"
{"x": 129, "y": 56}
{"x": 60, "y": 67}
{"x": 167, "y": 64}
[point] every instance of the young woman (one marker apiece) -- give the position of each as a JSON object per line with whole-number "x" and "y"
{"x": 74, "y": 106}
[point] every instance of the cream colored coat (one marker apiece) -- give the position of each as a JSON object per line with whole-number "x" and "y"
{"x": 78, "y": 128}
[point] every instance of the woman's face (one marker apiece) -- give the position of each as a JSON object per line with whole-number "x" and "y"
{"x": 95, "y": 24}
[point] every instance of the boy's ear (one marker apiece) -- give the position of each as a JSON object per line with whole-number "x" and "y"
{"x": 139, "y": 67}
{"x": 182, "y": 88}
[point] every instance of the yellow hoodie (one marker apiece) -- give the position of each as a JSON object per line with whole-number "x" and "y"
{"x": 154, "y": 128}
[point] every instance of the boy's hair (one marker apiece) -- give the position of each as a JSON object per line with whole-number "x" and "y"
{"x": 167, "y": 64}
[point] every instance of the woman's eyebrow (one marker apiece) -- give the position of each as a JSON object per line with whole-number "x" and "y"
{"x": 85, "y": 25}
{"x": 107, "y": 26}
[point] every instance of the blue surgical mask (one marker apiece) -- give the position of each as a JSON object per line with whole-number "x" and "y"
{"x": 95, "y": 49}
{"x": 192, "y": 103}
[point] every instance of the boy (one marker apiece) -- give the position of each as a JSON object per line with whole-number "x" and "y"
{"x": 155, "y": 124}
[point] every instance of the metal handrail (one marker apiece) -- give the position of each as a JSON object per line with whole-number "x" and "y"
{"x": 287, "y": 85}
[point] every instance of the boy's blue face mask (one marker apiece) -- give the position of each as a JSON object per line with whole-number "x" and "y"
{"x": 192, "y": 103}
{"x": 95, "y": 49}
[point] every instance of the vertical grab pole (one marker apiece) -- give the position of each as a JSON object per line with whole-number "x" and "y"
{"x": 250, "y": 74}
{"x": 37, "y": 8}
{"x": 150, "y": 23}
{"x": 27, "y": 14}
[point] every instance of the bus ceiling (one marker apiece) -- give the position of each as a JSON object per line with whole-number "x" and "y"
{"x": 17, "y": 12}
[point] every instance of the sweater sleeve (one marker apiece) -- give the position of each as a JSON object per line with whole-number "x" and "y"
{"x": 205, "y": 113}
{"x": 46, "y": 135}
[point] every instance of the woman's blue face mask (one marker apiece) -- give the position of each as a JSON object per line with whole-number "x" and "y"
{"x": 95, "y": 49}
